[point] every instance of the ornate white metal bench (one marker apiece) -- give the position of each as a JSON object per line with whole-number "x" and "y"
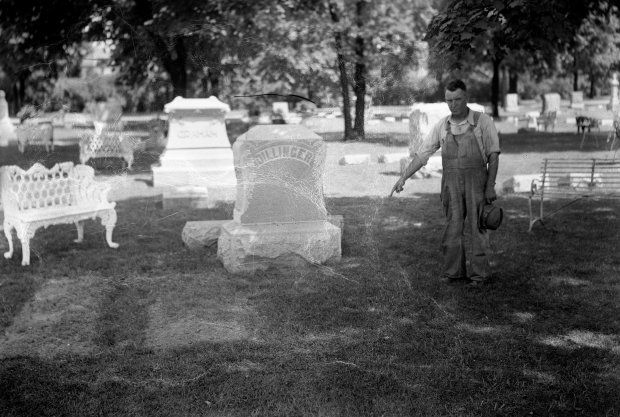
{"x": 41, "y": 133}
{"x": 107, "y": 141}
{"x": 42, "y": 197}
{"x": 575, "y": 179}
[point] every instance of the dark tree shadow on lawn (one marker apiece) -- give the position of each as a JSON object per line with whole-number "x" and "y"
{"x": 516, "y": 143}
{"x": 374, "y": 334}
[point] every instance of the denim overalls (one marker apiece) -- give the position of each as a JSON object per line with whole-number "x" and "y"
{"x": 462, "y": 194}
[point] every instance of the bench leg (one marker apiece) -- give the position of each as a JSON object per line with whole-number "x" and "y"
{"x": 80, "y": 231}
{"x": 583, "y": 139}
{"x": 533, "y": 219}
{"x": 25, "y": 233}
{"x": 8, "y": 232}
{"x": 25, "y": 251}
{"x": 108, "y": 219}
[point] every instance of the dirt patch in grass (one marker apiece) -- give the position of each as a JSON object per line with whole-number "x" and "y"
{"x": 194, "y": 308}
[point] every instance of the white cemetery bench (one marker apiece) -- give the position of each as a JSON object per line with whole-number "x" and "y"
{"x": 107, "y": 141}
{"x": 587, "y": 123}
{"x": 35, "y": 133}
{"x": 574, "y": 179}
{"x": 547, "y": 120}
{"x": 42, "y": 197}
{"x": 614, "y": 134}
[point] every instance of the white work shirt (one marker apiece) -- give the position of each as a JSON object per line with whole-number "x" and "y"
{"x": 489, "y": 138}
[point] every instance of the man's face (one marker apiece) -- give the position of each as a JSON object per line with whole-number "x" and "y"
{"x": 457, "y": 102}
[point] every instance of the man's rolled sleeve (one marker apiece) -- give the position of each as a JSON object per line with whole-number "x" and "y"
{"x": 431, "y": 143}
{"x": 490, "y": 138}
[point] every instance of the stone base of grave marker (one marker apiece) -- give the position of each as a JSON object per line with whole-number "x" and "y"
{"x": 199, "y": 234}
{"x": 202, "y": 184}
{"x": 202, "y": 233}
{"x": 251, "y": 247}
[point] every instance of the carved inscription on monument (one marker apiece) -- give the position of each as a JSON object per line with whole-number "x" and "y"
{"x": 304, "y": 154}
{"x": 197, "y": 133}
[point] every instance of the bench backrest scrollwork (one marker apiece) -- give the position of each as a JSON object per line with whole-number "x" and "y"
{"x": 40, "y": 187}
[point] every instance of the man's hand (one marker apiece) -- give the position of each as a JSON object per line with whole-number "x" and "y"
{"x": 398, "y": 187}
{"x": 489, "y": 193}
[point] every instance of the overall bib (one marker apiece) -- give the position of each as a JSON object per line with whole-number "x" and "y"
{"x": 462, "y": 194}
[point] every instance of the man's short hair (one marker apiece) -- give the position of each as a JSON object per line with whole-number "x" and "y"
{"x": 455, "y": 85}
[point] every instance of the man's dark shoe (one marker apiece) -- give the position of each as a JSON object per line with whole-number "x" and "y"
{"x": 454, "y": 280}
{"x": 478, "y": 281}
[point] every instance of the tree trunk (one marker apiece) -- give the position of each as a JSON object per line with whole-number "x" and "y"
{"x": 211, "y": 83}
{"x": 495, "y": 87}
{"x": 359, "y": 86}
{"x": 310, "y": 92}
{"x": 177, "y": 69}
{"x": 592, "y": 86}
{"x": 174, "y": 62}
{"x": 575, "y": 80}
{"x": 16, "y": 103}
{"x": 214, "y": 80}
{"x": 346, "y": 100}
{"x": 575, "y": 72}
{"x": 504, "y": 84}
{"x": 20, "y": 90}
{"x": 342, "y": 72}
{"x": 513, "y": 81}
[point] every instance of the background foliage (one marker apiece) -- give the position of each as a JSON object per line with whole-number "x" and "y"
{"x": 346, "y": 53}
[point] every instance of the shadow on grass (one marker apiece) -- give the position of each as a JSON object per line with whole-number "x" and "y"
{"x": 387, "y": 138}
{"x": 375, "y": 334}
{"x": 553, "y": 142}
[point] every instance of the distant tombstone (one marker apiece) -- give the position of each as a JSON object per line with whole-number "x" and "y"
{"x": 613, "y": 100}
{"x": 197, "y": 166}
{"x": 512, "y": 102}
{"x": 532, "y": 120}
{"x": 551, "y": 102}
{"x": 106, "y": 112}
{"x": 112, "y": 111}
{"x": 519, "y": 183}
{"x": 280, "y": 214}
{"x": 280, "y": 107}
{"x": 576, "y": 100}
{"x": 7, "y": 130}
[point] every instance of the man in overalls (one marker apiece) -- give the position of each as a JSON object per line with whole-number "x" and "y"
{"x": 470, "y": 158}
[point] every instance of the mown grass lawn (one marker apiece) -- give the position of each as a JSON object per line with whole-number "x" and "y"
{"x": 153, "y": 329}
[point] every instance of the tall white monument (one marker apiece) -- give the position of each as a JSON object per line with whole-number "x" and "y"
{"x": 197, "y": 167}
{"x": 7, "y": 130}
{"x": 613, "y": 99}
{"x": 280, "y": 214}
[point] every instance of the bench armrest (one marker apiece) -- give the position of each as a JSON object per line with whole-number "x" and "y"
{"x": 92, "y": 192}
{"x": 10, "y": 199}
{"x": 536, "y": 184}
